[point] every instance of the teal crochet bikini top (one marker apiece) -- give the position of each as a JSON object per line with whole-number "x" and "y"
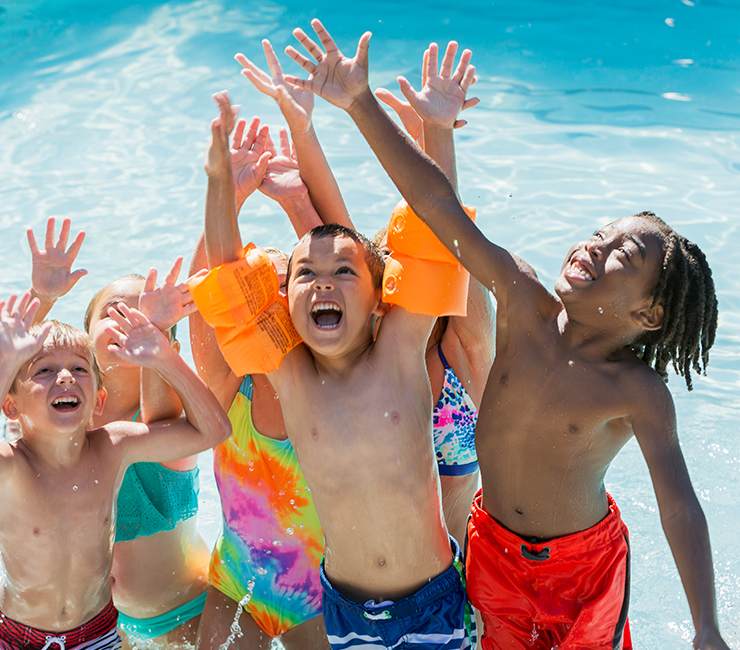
{"x": 153, "y": 499}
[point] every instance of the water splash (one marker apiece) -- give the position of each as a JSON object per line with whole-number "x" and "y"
{"x": 236, "y": 630}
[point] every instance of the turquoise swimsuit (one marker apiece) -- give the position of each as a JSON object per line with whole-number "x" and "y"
{"x": 153, "y": 499}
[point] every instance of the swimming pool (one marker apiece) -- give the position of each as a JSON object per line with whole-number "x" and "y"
{"x": 588, "y": 112}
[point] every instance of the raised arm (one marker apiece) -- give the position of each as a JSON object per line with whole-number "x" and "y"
{"x": 51, "y": 275}
{"x": 222, "y": 238}
{"x": 283, "y": 183}
{"x": 140, "y": 342}
{"x": 343, "y": 82}
{"x": 296, "y": 105}
{"x": 164, "y": 305}
{"x": 209, "y": 362}
{"x": 680, "y": 513}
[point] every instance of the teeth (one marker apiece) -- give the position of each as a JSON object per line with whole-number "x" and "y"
{"x": 578, "y": 268}
{"x": 324, "y": 306}
{"x": 69, "y": 399}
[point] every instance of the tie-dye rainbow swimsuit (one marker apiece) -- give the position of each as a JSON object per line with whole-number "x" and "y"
{"x": 271, "y": 532}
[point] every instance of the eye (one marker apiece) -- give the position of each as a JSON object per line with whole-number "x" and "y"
{"x": 80, "y": 369}
{"x": 41, "y": 371}
{"x": 345, "y": 269}
{"x": 304, "y": 271}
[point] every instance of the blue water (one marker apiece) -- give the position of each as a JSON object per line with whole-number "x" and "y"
{"x": 588, "y": 112}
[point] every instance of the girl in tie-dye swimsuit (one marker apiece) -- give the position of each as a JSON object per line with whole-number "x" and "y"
{"x": 271, "y": 534}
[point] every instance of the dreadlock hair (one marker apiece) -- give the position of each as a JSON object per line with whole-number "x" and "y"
{"x": 686, "y": 290}
{"x": 373, "y": 256}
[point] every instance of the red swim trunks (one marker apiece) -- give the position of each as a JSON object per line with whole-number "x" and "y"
{"x": 570, "y": 593}
{"x": 99, "y": 633}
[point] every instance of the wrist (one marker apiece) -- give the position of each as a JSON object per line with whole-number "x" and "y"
{"x": 44, "y": 299}
{"x": 361, "y": 102}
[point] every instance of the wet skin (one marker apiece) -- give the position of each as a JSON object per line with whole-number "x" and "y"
{"x": 365, "y": 409}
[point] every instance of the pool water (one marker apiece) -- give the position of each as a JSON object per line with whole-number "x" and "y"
{"x": 589, "y": 111}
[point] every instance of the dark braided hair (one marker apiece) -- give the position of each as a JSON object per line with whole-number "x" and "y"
{"x": 686, "y": 290}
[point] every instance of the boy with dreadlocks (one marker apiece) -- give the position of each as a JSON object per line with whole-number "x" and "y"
{"x": 576, "y": 375}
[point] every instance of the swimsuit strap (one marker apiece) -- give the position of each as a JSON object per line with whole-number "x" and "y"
{"x": 247, "y": 387}
{"x": 136, "y": 415}
{"x": 442, "y": 357}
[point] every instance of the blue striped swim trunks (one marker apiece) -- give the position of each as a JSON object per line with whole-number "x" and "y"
{"x": 437, "y": 617}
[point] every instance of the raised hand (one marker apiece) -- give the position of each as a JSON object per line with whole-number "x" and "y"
{"x": 51, "y": 274}
{"x": 333, "y": 76}
{"x": 282, "y": 180}
{"x": 408, "y": 116}
{"x": 249, "y": 158}
{"x": 442, "y": 96}
{"x": 168, "y": 303}
{"x": 296, "y": 104}
{"x": 217, "y": 159}
{"x": 135, "y": 338}
{"x": 17, "y": 344}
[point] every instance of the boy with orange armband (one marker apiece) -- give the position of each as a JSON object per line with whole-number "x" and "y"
{"x": 390, "y": 570}
{"x": 572, "y": 382}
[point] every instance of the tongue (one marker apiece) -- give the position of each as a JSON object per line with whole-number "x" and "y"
{"x": 328, "y": 317}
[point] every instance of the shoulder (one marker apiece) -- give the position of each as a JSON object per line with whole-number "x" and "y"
{"x": 650, "y": 400}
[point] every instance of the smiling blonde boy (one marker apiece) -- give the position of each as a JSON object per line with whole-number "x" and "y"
{"x": 59, "y": 481}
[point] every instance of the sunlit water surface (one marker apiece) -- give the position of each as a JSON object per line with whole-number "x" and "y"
{"x": 588, "y": 112}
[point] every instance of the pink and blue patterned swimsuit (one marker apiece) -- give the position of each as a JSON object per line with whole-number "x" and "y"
{"x": 453, "y": 426}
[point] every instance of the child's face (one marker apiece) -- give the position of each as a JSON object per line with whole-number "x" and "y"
{"x": 56, "y": 391}
{"x": 127, "y": 291}
{"x": 331, "y": 295}
{"x": 615, "y": 270}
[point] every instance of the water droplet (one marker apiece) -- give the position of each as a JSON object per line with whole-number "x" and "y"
{"x": 571, "y": 363}
{"x": 96, "y": 481}
{"x": 601, "y": 311}
{"x": 74, "y": 487}
{"x": 510, "y": 195}
{"x": 290, "y": 531}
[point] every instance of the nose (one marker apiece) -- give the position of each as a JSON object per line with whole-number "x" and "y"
{"x": 325, "y": 284}
{"x": 594, "y": 247}
{"x": 64, "y": 376}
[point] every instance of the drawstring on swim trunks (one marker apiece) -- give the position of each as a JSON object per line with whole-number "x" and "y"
{"x": 59, "y": 640}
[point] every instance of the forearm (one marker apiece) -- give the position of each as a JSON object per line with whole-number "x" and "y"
{"x": 439, "y": 145}
{"x": 302, "y": 214}
{"x": 420, "y": 181}
{"x": 319, "y": 179}
{"x": 202, "y": 409}
{"x": 222, "y": 239}
{"x": 686, "y": 532}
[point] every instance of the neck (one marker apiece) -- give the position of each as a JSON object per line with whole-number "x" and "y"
{"x": 58, "y": 451}
{"x": 596, "y": 341}
{"x": 343, "y": 363}
{"x": 123, "y": 400}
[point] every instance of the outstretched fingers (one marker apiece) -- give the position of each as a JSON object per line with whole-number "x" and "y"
{"x": 276, "y": 70}
{"x": 448, "y": 60}
{"x": 171, "y": 277}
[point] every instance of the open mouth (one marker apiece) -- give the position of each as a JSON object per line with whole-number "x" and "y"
{"x": 326, "y": 315}
{"x": 578, "y": 270}
{"x": 65, "y": 403}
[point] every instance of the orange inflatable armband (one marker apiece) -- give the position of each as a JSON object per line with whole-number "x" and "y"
{"x": 242, "y": 301}
{"x": 421, "y": 275}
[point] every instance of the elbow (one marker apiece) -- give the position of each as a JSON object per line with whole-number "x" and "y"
{"x": 223, "y": 429}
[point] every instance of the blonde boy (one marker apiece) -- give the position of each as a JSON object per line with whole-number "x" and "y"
{"x": 59, "y": 481}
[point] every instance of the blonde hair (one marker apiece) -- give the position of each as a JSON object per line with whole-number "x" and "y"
{"x": 67, "y": 337}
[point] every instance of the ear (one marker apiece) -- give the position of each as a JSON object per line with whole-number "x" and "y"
{"x": 9, "y": 408}
{"x": 649, "y": 318}
{"x": 100, "y": 401}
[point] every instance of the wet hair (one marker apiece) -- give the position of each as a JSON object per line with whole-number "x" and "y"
{"x": 67, "y": 337}
{"x": 686, "y": 290}
{"x": 373, "y": 256}
{"x": 90, "y": 311}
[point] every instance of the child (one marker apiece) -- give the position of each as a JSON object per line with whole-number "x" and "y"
{"x": 547, "y": 552}
{"x": 271, "y": 533}
{"x": 60, "y": 480}
{"x": 359, "y": 419}
{"x": 460, "y": 349}
{"x": 160, "y": 559}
